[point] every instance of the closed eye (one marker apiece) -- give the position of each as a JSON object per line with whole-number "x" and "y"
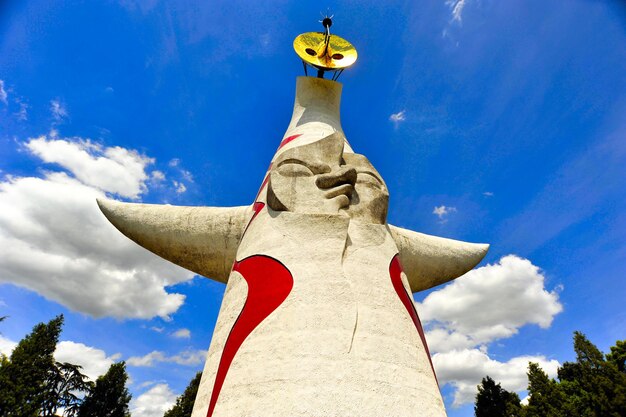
{"x": 313, "y": 167}
{"x": 294, "y": 168}
{"x": 368, "y": 176}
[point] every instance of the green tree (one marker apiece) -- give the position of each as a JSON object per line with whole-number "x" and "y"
{"x": 593, "y": 385}
{"x": 494, "y": 401}
{"x": 184, "y": 403}
{"x": 545, "y": 397}
{"x": 63, "y": 388}
{"x": 618, "y": 355}
{"x": 24, "y": 374}
{"x": 109, "y": 396}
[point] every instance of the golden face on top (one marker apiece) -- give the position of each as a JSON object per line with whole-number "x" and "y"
{"x": 325, "y": 51}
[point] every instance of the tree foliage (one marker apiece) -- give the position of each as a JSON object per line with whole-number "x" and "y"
{"x": 109, "y": 396}
{"x": 618, "y": 355}
{"x": 545, "y": 396}
{"x": 592, "y": 386}
{"x": 494, "y": 401}
{"x": 24, "y": 374}
{"x": 33, "y": 384}
{"x": 63, "y": 385}
{"x": 184, "y": 403}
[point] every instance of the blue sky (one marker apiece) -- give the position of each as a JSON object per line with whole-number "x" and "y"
{"x": 499, "y": 122}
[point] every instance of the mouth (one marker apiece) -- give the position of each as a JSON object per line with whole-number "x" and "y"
{"x": 342, "y": 193}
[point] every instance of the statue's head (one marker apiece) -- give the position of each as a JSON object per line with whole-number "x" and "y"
{"x": 319, "y": 178}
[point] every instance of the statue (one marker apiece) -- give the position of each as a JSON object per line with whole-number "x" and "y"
{"x": 317, "y": 317}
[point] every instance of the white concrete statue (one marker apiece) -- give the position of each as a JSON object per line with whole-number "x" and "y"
{"x": 317, "y": 317}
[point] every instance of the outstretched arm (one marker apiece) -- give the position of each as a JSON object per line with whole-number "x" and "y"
{"x": 429, "y": 261}
{"x": 201, "y": 239}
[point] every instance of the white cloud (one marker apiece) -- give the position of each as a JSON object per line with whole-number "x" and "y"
{"x": 58, "y": 110}
{"x": 56, "y": 242}
{"x": 488, "y": 194}
{"x": 157, "y": 176}
{"x": 154, "y": 402}
{"x": 396, "y": 118}
{"x": 456, "y": 8}
{"x": 95, "y": 362}
{"x": 3, "y": 93}
{"x": 180, "y": 187}
{"x": 157, "y": 329}
{"x": 187, "y": 358}
{"x": 6, "y": 345}
{"x": 484, "y": 305}
{"x": 464, "y": 369}
{"x": 111, "y": 169}
{"x": 443, "y": 211}
{"x": 490, "y": 303}
{"x": 174, "y": 162}
{"x": 182, "y": 334}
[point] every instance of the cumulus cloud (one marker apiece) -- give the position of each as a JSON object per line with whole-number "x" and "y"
{"x": 182, "y": 334}
{"x": 490, "y": 303}
{"x": 485, "y": 305}
{"x": 58, "y": 110}
{"x": 464, "y": 369}
{"x": 95, "y": 362}
{"x": 3, "y": 93}
{"x": 187, "y": 358}
{"x": 112, "y": 169}
{"x": 442, "y": 212}
{"x": 57, "y": 243}
{"x": 154, "y": 402}
{"x": 6, "y": 346}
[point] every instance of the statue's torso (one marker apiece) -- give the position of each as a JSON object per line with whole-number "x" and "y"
{"x": 341, "y": 341}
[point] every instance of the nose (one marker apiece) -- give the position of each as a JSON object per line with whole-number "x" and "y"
{"x": 344, "y": 175}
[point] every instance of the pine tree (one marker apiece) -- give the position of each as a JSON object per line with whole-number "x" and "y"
{"x": 23, "y": 376}
{"x": 109, "y": 397}
{"x": 184, "y": 403}
{"x": 618, "y": 355}
{"x": 494, "y": 401}
{"x": 63, "y": 388}
{"x": 545, "y": 397}
{"x": 593, "y": 386}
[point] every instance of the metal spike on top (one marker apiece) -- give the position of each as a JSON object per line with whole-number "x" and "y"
{"x": 325, "y": 52}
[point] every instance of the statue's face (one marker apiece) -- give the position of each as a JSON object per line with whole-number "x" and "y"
{"x": 319, "y": 178}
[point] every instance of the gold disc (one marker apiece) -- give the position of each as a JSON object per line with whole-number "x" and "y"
{"x": 312, "y": 49}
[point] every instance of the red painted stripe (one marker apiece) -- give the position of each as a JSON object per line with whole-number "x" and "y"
{"x": 395, "y": 272}
{"x": 287, "y": 140}
{"x": 269, "y": 284}
{"x": 256, "y": 207}
{"x": 267, "y": 177}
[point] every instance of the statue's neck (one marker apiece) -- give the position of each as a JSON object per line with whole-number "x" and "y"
{"x": 316, "y": 109}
